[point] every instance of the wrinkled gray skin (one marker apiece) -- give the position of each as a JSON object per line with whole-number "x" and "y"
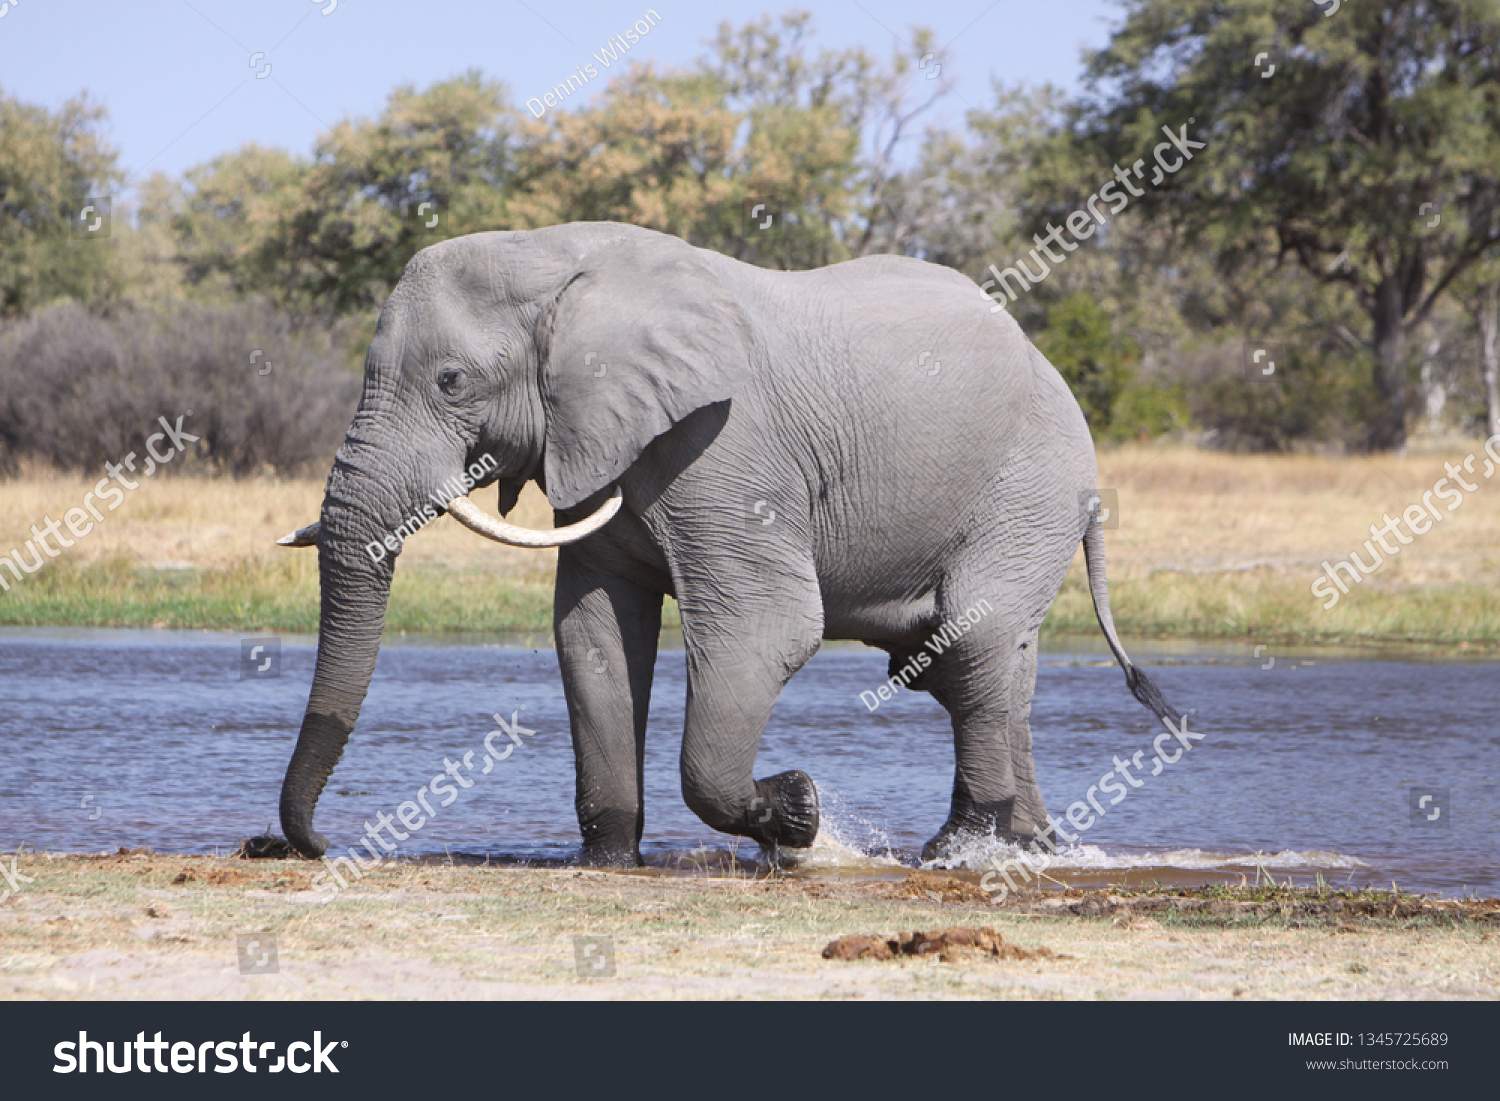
{"x": 918, "y": 453}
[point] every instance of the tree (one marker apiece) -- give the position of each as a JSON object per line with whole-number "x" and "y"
{"x": 755, "y": 152}
{"x": 1096, "y": 364}
{"x": 961, "y": 204}
{"x": 653, "y": 149}
{"x": 1099, "y": 367}
{"x": 1484, "y": 306}
{"x": 1479, "y": 293}
{"x": 1369, "y": 156}
{"x": 767, "y": 72}
{"x": 50, "y": 165}
{"x": 763, "y": 119}
{"x": 232, "y": 219}
{"x": 333, "y": 233}
{"x": 435, "y": 164}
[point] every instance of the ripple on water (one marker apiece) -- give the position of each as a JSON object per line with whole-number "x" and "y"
{"x": 156, "y": 739}
{"x": 1090, "y": 865}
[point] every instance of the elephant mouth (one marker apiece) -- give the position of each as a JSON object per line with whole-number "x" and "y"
{"x": 471, "y": 516}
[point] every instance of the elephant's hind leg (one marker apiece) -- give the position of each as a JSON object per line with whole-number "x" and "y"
{"x": 985, "y": 678}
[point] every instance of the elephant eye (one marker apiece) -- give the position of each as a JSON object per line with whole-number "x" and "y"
{"x": 450, "y": 381}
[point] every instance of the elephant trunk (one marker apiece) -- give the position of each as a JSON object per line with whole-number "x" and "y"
{"x": 355, "y": 590}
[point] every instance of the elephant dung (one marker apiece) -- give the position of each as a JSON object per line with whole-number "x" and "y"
{"x": 948, "y": 945}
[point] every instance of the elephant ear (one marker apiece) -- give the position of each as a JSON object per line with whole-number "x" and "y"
{"x": 644, "y": 334}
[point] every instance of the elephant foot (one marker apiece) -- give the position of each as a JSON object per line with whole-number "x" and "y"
{"x": 604, "y": 856}
{"x": 995, "y": 821}
{"x": 611, "y": 837}
{"x": 784, "y": 812}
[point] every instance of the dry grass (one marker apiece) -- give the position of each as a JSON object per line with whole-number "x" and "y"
{"x": 141, "y": 926}
{"x": 215, "y": 524}
{"x": 194, "y": 553}
{"x": 1185, "y": 510}
{"x": 1227, "y": 546}
{"x": 1209, "y": 546}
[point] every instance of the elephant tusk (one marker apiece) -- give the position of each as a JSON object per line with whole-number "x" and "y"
{"x": 467, "y": 513}
{"x": 302, "y": 537}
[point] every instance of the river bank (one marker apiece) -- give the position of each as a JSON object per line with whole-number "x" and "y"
{"x": 1208, "y": 546}
{"x": 142, "y": 926}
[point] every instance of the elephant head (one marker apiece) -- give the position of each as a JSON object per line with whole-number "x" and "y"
{"x": 555, "y": 355}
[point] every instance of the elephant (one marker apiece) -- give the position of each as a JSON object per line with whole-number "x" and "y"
{"x": 868, "y": 451}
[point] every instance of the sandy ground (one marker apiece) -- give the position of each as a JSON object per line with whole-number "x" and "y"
{"x": 153, "y": 926}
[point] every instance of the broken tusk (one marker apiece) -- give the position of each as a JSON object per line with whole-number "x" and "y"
{"x": 302, "y": 537}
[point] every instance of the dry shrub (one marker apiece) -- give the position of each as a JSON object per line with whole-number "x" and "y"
{"x": 78, "y": 390}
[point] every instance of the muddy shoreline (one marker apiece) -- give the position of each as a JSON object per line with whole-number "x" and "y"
{"x": 138, "y": 925}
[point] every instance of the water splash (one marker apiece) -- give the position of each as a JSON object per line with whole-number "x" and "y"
{"x": 846, "y": 842}
{"x": 985, "y": 852}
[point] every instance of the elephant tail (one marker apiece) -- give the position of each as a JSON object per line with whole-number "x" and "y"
{"x": 1135, "y": 679}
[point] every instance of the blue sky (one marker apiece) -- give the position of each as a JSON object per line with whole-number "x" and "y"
{"x": 178, "y": 80}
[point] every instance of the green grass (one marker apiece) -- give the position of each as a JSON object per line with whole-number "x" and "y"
{"x": 1266, "y": 606}
{"x": 281, "y": 594}
{"x": 267, "y": 595}
{"x": 254, "y": 595}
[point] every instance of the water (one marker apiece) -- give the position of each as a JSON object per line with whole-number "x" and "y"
{"x": 152, "y": 739}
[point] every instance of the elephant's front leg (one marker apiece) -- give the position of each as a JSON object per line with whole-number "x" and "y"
{"x": 742, "y": 648}
{"x": 607, "y": 631}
